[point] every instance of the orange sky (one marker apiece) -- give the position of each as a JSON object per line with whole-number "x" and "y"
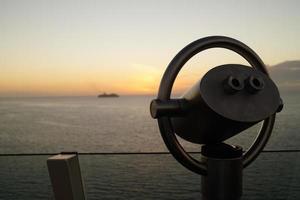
{"x": 87, "y": 47}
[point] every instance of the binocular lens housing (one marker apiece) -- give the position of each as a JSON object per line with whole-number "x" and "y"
{"x": 227, "y": 100}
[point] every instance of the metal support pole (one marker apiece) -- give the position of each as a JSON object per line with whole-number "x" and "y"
{"x": 65, "y": 175}
{"x": 224, "y": 172}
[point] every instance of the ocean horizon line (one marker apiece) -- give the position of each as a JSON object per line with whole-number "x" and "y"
{"x": 70, "y": 96}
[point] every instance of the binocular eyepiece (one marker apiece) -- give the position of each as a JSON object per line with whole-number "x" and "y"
{"x": 252, "y": 84}
{"x": 227, "y": 100}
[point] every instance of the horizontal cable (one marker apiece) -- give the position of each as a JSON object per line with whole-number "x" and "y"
{"x": 282, "y": 151}
{"x": 132, "y": 153}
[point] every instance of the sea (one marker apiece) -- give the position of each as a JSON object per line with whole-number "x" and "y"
{"x": 50, "y": 125}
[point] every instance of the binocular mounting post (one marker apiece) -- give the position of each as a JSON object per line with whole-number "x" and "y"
{"x": 223, "y": 180}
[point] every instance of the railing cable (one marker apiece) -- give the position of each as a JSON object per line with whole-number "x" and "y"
{"x": 134, "y": 153}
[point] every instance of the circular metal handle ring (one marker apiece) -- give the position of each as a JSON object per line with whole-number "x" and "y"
{"x": 165, "y": 90}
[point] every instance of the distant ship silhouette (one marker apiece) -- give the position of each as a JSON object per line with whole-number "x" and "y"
{"x": 107, "y": 95}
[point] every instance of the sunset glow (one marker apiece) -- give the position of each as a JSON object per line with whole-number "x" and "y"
{"x": 86, "y": 47}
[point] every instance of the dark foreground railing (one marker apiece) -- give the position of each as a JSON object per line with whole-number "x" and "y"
{"x": 136, "y": 153}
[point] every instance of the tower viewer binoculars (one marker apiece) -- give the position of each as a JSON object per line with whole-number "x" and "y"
{"x": 227, "y": 100}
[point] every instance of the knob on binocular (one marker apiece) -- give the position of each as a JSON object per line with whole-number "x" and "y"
{"x": 227, "y": 100}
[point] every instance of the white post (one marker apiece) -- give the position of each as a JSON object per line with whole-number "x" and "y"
{"x": 65, "y": 175}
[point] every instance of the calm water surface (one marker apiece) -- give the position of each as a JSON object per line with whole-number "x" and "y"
{"x": 89, "y": 124}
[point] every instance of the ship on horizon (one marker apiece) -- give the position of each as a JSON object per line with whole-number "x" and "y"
{"x": 108, "y": 95}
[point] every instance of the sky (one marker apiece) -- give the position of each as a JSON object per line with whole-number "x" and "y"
{"x": 62, "y": 48}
